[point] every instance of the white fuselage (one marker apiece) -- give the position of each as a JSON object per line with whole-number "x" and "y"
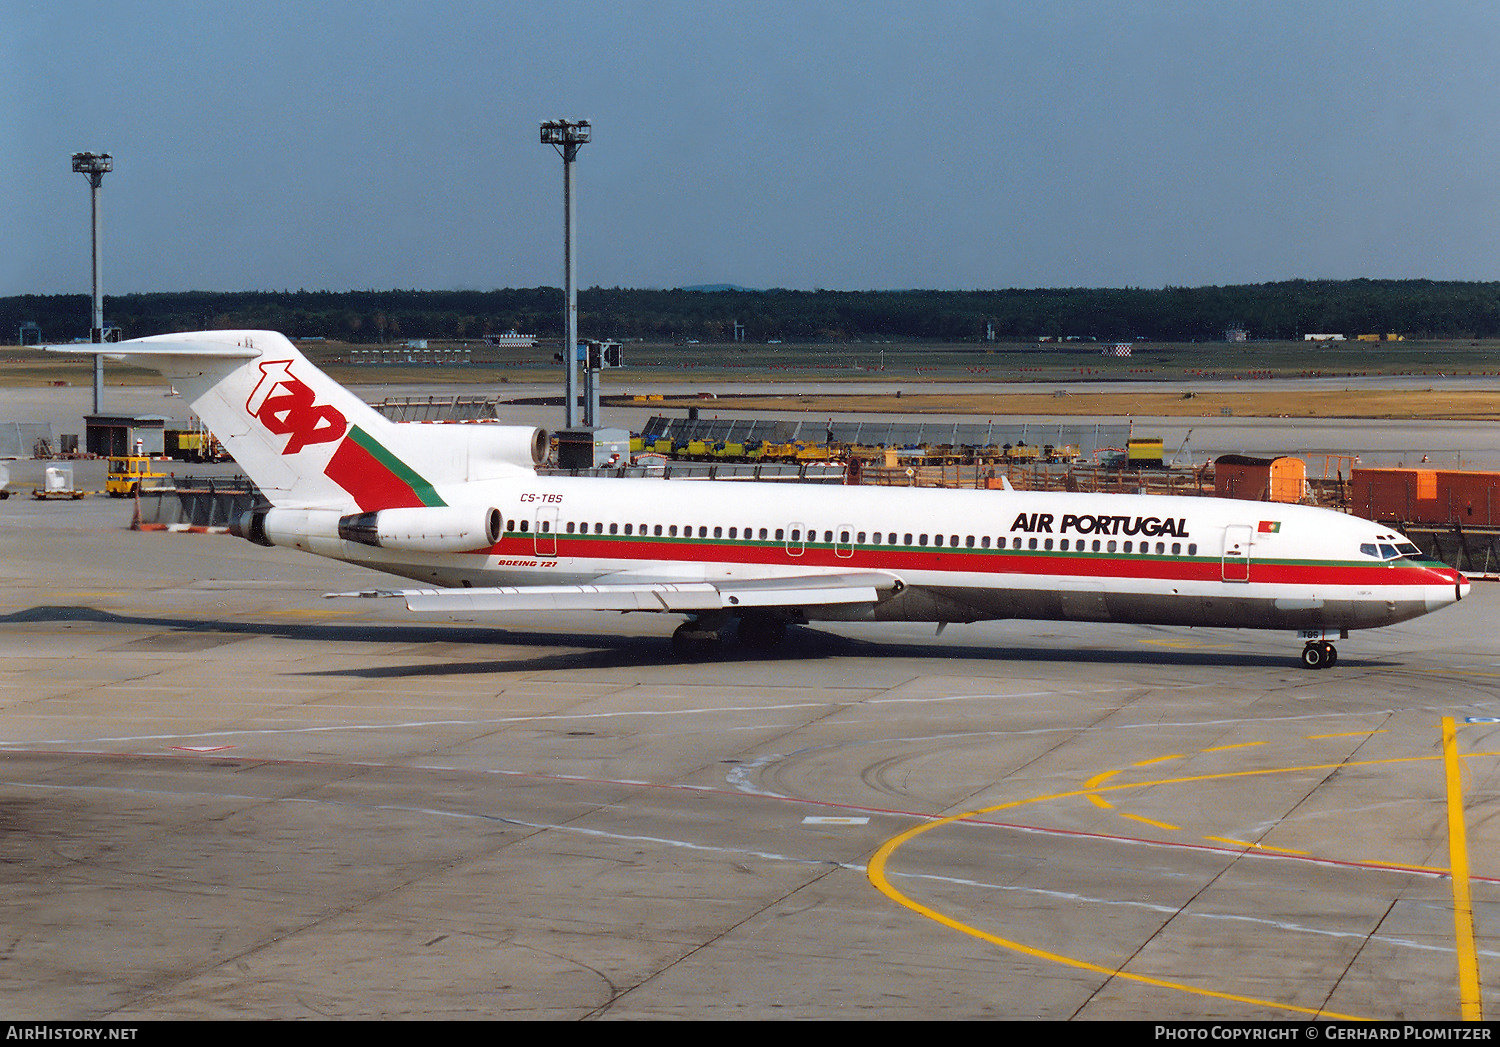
{"x": 960, "y": 555}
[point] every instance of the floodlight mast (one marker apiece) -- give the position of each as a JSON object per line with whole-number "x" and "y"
{"x": 566, "y": 136}
{"x": 96, "y": 166}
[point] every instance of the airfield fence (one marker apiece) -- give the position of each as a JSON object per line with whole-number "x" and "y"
{"x": 19, "y": 439}
{"x": 1090, "y": 440}
{"x": 1042, "y": 476}
{"x": 210, "y": 501}
{"x": 1473, "y": 550}
{"x": 439, "y": 408}
{"x": 819, "y": 472}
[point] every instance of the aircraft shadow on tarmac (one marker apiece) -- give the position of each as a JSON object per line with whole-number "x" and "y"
{"x": 606, "y": 650}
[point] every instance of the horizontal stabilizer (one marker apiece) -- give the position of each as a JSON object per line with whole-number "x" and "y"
{"x": 130, "y": 350}
{"x": 682, "y": 597}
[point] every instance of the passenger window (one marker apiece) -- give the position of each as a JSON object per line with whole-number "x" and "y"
{"x": 703, "y": 532}
{"x": 937, "y": 540}
{"x": 780, "y": 533}
{"x": 1176, "y": 548}
{"x": 718, "y": 532}
{"x": 656, "y": 530}
{"x": 763, "y": 533}
{"x": 1047, "y": 544}
{"x": 672, "y": 531}
{"x": 1063, "y": 545}
{"x": 613, "y": 528}
{"x": 1192, "y": 548}
{"x": 922, "y": 539}
{"x": 1111, "y": 546}
{"x": 1030, "y": 544}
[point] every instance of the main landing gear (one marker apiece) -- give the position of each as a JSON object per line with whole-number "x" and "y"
{"x": 700, "y": 637}
{"x": 1319, "y": 654}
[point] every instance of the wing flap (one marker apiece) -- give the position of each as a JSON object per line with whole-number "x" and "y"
{"x": 680, "y": 597}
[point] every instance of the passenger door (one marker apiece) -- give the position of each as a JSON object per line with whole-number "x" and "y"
{"x": 1236, "y": 559}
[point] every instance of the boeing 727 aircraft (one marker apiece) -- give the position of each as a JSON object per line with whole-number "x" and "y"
{"x": 461, "y": 510}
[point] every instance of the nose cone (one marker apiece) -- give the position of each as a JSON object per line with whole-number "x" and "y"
{"x": 1449, "y": 587}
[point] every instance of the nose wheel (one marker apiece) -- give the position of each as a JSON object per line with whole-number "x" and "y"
{"x": 1319, "y": 654}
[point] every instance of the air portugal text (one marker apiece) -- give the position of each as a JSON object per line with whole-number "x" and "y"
{"x": 1149, "y": 526}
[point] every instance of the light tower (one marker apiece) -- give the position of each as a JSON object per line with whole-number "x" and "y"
{"x": 96, "y": 166}
{"x": 566, "y": 136}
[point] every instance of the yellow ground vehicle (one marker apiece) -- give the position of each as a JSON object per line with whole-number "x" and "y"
{"x": 128, "y": 474}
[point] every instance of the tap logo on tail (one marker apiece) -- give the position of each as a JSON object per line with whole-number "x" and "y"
{"x": 284, "y": 405}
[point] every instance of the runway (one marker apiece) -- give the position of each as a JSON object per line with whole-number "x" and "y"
{"x": 226, "y": 797}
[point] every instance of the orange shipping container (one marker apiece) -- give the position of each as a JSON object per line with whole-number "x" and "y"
{"x": 1260, "y": 479}
{"x": 1469, "y": 497}
{"x": 1426, "y": 495}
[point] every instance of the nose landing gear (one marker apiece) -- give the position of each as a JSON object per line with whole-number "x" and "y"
{"x": 1319, "y": 652}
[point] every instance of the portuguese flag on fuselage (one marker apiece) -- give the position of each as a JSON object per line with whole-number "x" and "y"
{"x": 375, "y": 477}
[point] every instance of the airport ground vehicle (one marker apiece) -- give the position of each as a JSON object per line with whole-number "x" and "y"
{"x": 462, "y": 511}
{"x": 127, "y": 474}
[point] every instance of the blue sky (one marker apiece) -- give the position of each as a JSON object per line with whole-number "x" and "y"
{"x": 840, "y": 145}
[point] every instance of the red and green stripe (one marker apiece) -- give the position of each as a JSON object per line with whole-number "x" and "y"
{"x": 375, "y": 477}
{"x": 1018, "y": 562}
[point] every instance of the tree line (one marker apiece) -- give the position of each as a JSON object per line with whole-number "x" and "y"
{"x": 1273, "y": 311}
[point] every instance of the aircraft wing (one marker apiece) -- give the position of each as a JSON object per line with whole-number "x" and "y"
{"x": 720, "y": 594}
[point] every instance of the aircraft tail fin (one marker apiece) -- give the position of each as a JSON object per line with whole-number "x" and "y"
{"x": 305, "y": 440}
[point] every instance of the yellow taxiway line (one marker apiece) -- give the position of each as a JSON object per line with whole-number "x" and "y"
{"x": 1470, "y": 1003}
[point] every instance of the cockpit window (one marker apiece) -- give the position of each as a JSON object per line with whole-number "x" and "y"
{"x": 1393, "y": 551}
